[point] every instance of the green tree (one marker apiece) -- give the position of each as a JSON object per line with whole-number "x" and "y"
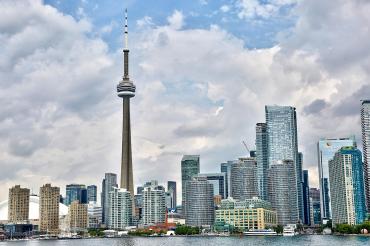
{"x": 279, "y": 229}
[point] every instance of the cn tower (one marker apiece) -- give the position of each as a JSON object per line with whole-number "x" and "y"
{"x": 126, "y": 90}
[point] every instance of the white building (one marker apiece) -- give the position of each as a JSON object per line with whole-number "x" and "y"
{"x": 95, "y": 214}
{"x": 154, "y": 204}
{"x": 120, "y": 209}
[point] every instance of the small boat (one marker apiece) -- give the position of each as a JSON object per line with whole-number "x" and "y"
{"x": 261, "y": 232}
{"x": 289, "y": 231}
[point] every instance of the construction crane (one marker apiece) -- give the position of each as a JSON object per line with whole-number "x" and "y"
{"x": 246, "y": 146}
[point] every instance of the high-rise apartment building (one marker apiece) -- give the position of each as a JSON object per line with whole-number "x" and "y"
{"x": 120, "y": 211}
{"x": 262, "y": 159}
{"x": 189, "y": 168}
{"x": 226, "y": 168}
{"x": 171, "y": 188}
{"x": 49, "y": 209}
{"x": 306, "y": 198}
{"x": 199, "y": 206}
{"x": 76, "y": 192}
{"x": 218, "y": 182}
{"x": 283, "y": 192}
{"x": 326, "y": 149}
{"x": 154, "y": 204}
{"x": 347, "y": 187}
{"x": 18, "y": 204}
{"x": 244, "y": 179}
{"x": 78, "y": 219}
{"x": 94, "y": 213}
{"x": 365, "y": 126}
{"x": 108, "y": 185}
{"x": 282, "y": 142}
{"x": 92, "y": 192}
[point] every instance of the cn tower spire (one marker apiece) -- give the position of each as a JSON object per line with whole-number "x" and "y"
{"x": 125, "y": 51}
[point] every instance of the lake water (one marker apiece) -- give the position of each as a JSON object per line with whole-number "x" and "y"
{"x": 202, "y": 241}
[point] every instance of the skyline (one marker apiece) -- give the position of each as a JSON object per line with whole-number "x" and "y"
{"x": 68, "y": 130}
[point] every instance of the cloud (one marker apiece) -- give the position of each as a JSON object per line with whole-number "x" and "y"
{"x": 315, "y": 107}
{"x": 176, "y": 20}
{"x": 250, "y": 9}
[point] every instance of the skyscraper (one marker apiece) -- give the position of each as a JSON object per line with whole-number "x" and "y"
{"x": 283, "y": 192}
{"x": 108, "y": 185}
{"x": 199, "y": 204}
{"x": 282, "y": 141}
{"x": 306, "y": 198}
{"x": 315, "y": 212}
{"x": 126, "y": 90}
{"x": 154, "y": 204}
{"x": 226, "y": 168}
{"x": 347, "y": 187}
{"x": 18, "y": 204}
{"x": 262, "y": 159}
{"x": 171, "y": 188}
{"x": 49, "y": 209}
{"x": 120, "y": 212}
{"x": 218, "y": 182}
{"x": 326, "y": 149}
{"x": 365, "y": 125}
{"x": 76, "y": 192}
{"x": 92, "y": 193}
{"x": 189, "y": 168}
{"x": 244, "y": 179}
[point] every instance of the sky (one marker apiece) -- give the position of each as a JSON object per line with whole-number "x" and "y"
{"x": 204, "y": 70}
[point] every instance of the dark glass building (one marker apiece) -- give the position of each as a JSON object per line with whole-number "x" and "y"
{"x": 76, "y": 192}
{"x": 306, "y": 198}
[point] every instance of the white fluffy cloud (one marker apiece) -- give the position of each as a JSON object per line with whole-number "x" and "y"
{"x": 199, "y": 91}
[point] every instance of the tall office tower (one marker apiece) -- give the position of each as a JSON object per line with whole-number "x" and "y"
{"x": 199, "y": 205}
{"x": 282, "y": 142}
{"x": 189, "y": 168}
{"x": 306, "y": 198}
{"x": 365, "y": 125}
{"x": 92, "y": 192}
{"x": 126, "y": 90}
{"x": 315, "y": 212}
{"x": 139, "y": 205}
{"x": 94, "y": 213}
{"x": 120, "y": 212}
{"x": 282, "y": 190}
{"x": 347, "y": 187}
{"x": 77, "y": 213}
{"x": 108, "y": 185}
{"x": 154, "y": 204}
{"x": 226, "y": 168}
{"x": 326, "y": 149}
{"x": 49, "y": 209}
{"x": 262, "y": 160}
{"x": 18, "y": 204}
{"x": 171, "y": 188}
{"x": 76, "y": 192}
{"x": 244, "y": 179}
{"x": 139, "y": 190}
{"x": 218, "y": 182}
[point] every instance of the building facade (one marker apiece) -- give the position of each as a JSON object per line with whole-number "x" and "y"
{"x": 92, "y": 192}
{"x": 282, "y": 189}
{"x": 226, "y": 168}
{"x": 171, "y": 188}
{"x": 250, "y": 214}
{"x": 347, "y": 187}
{"x": 244, "y": 179}
{"x": 365, "y": 127}
{"x": 315, "y": 208}
{"x": 18, "y": 204}
{"x": 49, "y": 209}
{"x": 189, "y": 169}
{"x": 95, "y": 215}
{"x": 76, "y": 192}
{"x": 218, "y": 182}
{"x": 108, "y": 185}
{"x": 78, "y": 219}
{"x": 326, "y": 149}
{"x": 120, "y": 211}
{"x": 306, "y": 198}
{"x": 199, "y": 209}
{"x": 154, "y": 204}
{"x": 262, "y": 159}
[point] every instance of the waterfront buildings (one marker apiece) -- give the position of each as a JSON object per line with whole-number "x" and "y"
{"x": 126, "y": 90}
{"x": 244, "y": 179}
{"x": 77, "y": 214}
{"x": 218, "y": 182}
{"x": 92, "y": 192}
{"x": 18, "y": 204}
{"x": 199, "y": 205}
{"x": 262, "y": 159}
{"x": 120, "y": 210}
{"x": 347, "y": 187}
{"x": 282, "y": 190}
{"x": 76, "y": 192}
{"x": 226, "y": 168}
{"x": 315, "y": 208}
{"x": 94, "y": 213}
{"x": 365, "y": 126}
{"x": 246, "y": 215}
{"x": 282, "y": 142}
{"x": 154, "y": 204}
{"x": 108, "y": 185}
{"x": 326, "y": 148}
{"x": 306, "y": 198}
{"x": 171, "y": 188}
{"x": 189, "y": 168}
{"x": 49, "y": 209}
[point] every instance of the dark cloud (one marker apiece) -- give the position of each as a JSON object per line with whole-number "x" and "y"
{"x": 315, "y": 107}
{"x": 351, "y": 105}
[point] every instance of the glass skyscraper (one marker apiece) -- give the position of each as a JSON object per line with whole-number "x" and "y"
{"x": 315, "y": 213}
{"x": 282, "y": 142}
{"x": 218, "y": 182}
{"x": 365, "y": 125}
{"x": 171, "y": 188}
{"x": 326, "y": 149}
{"x": 262, "y": 161}
{"x": 92, "y": 193}
{"x": 189, "y": 169}
{"x": 76, "y": 192}
{"x": 244, "y": 179}
{"x": 226, "y": 168}
{"x": 108, "y": 185}
{"x": 306, "y": 198}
